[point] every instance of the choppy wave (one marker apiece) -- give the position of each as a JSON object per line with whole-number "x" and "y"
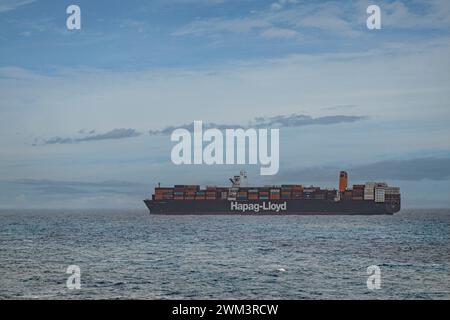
{"x": 129, "y": 254}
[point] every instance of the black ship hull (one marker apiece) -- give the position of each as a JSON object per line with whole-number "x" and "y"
{"x": 271, "y": 207}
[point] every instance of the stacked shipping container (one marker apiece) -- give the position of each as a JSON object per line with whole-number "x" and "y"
{"x": 371, "y": 191}
{"x": 358, "y": 192}
{"x": 253, "y": 194}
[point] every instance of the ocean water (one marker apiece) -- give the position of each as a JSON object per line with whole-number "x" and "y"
{"x": 130, "y": 254}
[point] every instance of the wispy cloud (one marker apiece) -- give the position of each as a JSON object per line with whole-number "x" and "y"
{"x": 431, "y": 14}
{"x": 280, "y": 4}
{"x": 412, "y": 169}
{"x": 280, "y": 33}
{"x": 37, "y": 193}
{"x": 298, "y": 120}
{"x": 408, "y": 170}
{"x": 340, "y": 107}
{"x": 214, "y": 25}
{"x": 282, "y": 19}
{"x": 329, "y": 17}
{"x": 61, "y": 183}
{"x": 280, "y": 121}
{"x": 291, "y": 18}
{"x": 114, "y": 134}
{"x": 9, "y": 5}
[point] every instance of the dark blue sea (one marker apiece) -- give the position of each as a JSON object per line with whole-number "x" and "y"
{"x": 130, "y": 254}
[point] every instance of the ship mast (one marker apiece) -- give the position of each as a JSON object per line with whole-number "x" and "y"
{"x": 236, "y": 184}
{"x": 243, "y": 175}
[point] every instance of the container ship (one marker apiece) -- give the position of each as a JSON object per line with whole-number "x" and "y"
{"x": 371, "y": 198}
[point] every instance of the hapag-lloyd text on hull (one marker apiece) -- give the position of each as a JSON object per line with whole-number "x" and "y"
{"x": 257, "y": 207}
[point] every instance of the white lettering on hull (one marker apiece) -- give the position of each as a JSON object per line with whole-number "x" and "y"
{"x": 258, "y": 207}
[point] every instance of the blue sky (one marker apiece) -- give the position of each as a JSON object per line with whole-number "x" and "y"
{"x": 146, "y": 65}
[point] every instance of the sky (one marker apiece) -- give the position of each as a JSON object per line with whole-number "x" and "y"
{"x": 86, "y": 115}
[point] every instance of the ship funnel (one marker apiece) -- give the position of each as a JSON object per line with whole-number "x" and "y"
{"x": 343, "y": 177}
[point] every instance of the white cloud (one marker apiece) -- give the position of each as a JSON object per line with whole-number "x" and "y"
{"x": 345, "y": 19}
{"x": 280, "y": 33}
{"x": 391, "y": 83}
{"x": 9, "y": 5}
{"x": 401, "y": 85}
{"x": 330, "y": 18}
{"x": 276, "y": 6}
{"x": 282, "y": 16}
{"x": 280, "y": 4}
{"x": 208, "y": 26}
{"x": 432, "y": 14}
{"x": 437, "y": 15}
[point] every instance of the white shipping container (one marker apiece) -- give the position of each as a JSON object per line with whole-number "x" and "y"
{"x": 369, "y": 194}
{"x": 380, "y": 194}
{"x": 369, "y": 191}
